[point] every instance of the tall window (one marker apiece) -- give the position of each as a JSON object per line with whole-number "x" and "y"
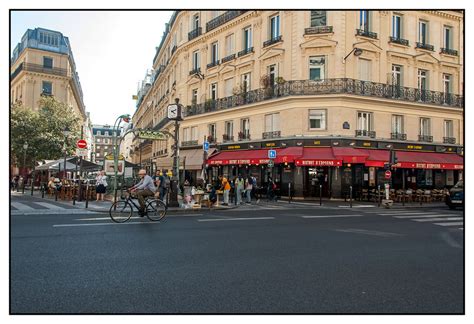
{"x": 364, "y": 121}
{"x": 229, "y": 128}
{"x": 228, "y": 86}
{"x": 397, "y": 124}
{"x": 229, "y": 45}
{"x": 272, "y": 73}
{"x": 422, "y": 83}
{"x": 213, "y": 91}
{"x": 272, "y": 122}
{"x": 274, "y": 26}
{"x": 448, "y": 128}
{"x": 47, "y": 62}
{"x": 423, "y": 32}
{"x": 195, "y": 22}
{"x": 397, "y": 26}
{"x": 364, "y": 22}
{"x": 214, "y": 52}
{"x": 397, "y": 75}
{"x": 447, "y": 37}
{"x": 47, "y": 88}
{"x": 196, "y": 64}
{"x": 318, "y": 18}
{"x": 247, "y": 38}
{"x": 245, "y": 127}
{"x": 212, "y": 131}
{"x": 194, "y": 133}
{"x": 317, "y": 119}
{"x": 316, "y": 68}
{"x": 186, "y": 134}
{"x": 246, "y": 82}
{"x": 425, "y": 127}
{"x": 365, "y": 69}
{"x": 194, "y": 96}
{"x": 446, "y": 87}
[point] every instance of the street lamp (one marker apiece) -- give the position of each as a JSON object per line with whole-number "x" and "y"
{"x": 356, "y": 51}
{"x": 125, "y": 118}
{"x": 66, "y": 132}
{"x": 25, "y": 147}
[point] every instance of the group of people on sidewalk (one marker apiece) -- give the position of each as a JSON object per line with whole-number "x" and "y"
{"x": 244, "y": 188}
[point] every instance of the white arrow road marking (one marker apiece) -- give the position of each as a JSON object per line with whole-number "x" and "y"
{"x": 232, "y": 219}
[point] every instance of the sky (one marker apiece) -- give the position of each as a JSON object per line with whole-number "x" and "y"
{"x": 112, "y": 51}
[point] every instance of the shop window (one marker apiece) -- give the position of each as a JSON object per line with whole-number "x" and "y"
{"x": 317, "y": 119}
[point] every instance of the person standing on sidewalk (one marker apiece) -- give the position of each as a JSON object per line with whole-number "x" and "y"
{"x": 225, "y": 186}
{"x": 239, "y": 188}
{"x": 248, "y": 189}
{"x": 163, "y": 184}
{"x": 100, "y": 185}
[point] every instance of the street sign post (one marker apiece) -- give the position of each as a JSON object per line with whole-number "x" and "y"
{"x": 205, "y": 146}
{"x": 388, "y": 174}
{"x": 82, "y": 144}
{"x": 271, "y": 163}
{"x": 82, "y": 152}
{"x": 153, "y": 135}
{"x": 272, "y": 154}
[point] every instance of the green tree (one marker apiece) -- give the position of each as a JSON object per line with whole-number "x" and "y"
{"x": 43, "y": 130}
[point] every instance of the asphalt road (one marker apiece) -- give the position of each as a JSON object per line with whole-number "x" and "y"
{"x": 274, "y": 259}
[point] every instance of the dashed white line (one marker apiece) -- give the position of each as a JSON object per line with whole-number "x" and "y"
{"x": 101, "y": 224}
{"x": 333, "y": 216}
{"x": 450, "y": 224}
{"x": 438, "y": 219}
{"x": 21, "y": 206}
{"x": 427, "y": 216}
{"x": 232, "y": 219}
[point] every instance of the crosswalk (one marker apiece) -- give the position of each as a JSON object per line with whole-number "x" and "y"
{"x": 41, "y": 207}
{"x": 441, "y": 218}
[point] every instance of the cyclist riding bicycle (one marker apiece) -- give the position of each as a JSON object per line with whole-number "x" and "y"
{"x": 145, "y": 188}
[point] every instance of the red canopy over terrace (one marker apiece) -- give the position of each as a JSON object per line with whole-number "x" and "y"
{"x": 318, "y": 156}
{"x": 416, "y": 160}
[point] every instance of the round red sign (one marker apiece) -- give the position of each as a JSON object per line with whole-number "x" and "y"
{"x": 81, "y": 143}
{"x": 388, "y": 174}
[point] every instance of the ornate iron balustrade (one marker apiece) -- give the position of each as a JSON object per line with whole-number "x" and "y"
{"x": 449, "y": 51}
{"x": 244, "y": 136}
{"x": 449, "y": 140}
{"x": 245, "y": 51}
{"x": 212, "y": 64}
{"x": 398, "y": 136}
{"x": 272, "y": 41}
{"x": 40, "y": 69}
{"x": 228, "y": 58}
{"x": 195, "y": 71}
{"x": 194, "y": 33}
{"x": 328, "y": 87}
{"x": 222, "y": 19}
{"x": 398, "y": 40}
{"x": 189, "y": 143}
{"x": 211, "y": 139}
{"x": 366, "y": 33}
{"x": 425, "y": 138}
{"x": 227, "y": 138}
{"x": 425, "y": 46}
{"x": 318, "y": 30}
{"x": 274, "y": 134}
{"x": 366, "y": 133}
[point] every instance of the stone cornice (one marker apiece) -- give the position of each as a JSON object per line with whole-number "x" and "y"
{"x": 446, "y": 14}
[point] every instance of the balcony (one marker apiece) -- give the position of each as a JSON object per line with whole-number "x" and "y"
{"x": 424, "y": 46}
{"x": 228, "y": 58}
{"x": 211, "y": 139}
{"x": 318, "y": 30}
{"x": 195, "y": 71}
{"x": 398, "y": 40}
{"x": 213, "y": 64}
{"x": 366, "y": 33}
{"x": 274, "y": 134}
{"x": 244, "y": 136}
{"x": 40, "y": 69}
{"x": 449, "y": 140}
{"x": 245, "y": 51}
{"x": 398, "y": 136}
{"x": 222, "y": 19}
{"x": 343, "y": 86}
{"x": 227, "y": 138}
{"x": 194, "y": 33}
{"x": 189, "y": 143}
{"x": 425, "y": 138}
{"x": 364, "y": 133}
{"x": 449, "y": 51}
{"x": 272, "y": 41}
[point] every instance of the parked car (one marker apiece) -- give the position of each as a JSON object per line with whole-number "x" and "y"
{"x": 456, "y": 195}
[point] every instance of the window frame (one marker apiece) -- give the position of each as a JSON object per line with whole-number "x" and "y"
{"x": 247, "y": 37}
{"x": 43, "y": 88}
{"x": 275, "y": 29}
{"x": 321, "y": 67}
{"x": 323, "y": 119}
{"x": 196, "y": 59}
{"x": 364, "y": 20}
{"x": 213, "y": 91}
{"x": 398, "y": 121}
{"x": 215, "y": 52}
{"x": 48, "y": 58}
{"x": 311, "y": 18}
{"x": 423, "y": 38}
{"x": 274, "y": 117}
{"x": 422, "y": 127}
{"x": 449, "y": 122}
{"x": 368, "y": 120}
{"x": 226, "y": 128}
{"x": 449, "y": 43}
{"x": 397, "y": 33}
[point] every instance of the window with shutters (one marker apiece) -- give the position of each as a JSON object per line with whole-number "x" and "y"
{"x": 272, "y": 122}
{"x": 425, "y": 127}
{"x": 365, "y": 69}
{"x": 317, "y": 119}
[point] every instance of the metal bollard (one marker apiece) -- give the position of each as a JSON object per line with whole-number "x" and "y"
{"x": 74, "y": 196}
{"x": 403, "y": 198}
{"x": 56, "y": 194}
{"x": 320, "y": 195}
{"x": 42, "y": 191}
{"x": 378, "y": 196}
{"x": 350, "y": 195}
{"x": 289, "y": 192}
{"x": 87, "y": 194}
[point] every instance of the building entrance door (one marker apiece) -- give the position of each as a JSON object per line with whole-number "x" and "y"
{"x": 314, "y": 177}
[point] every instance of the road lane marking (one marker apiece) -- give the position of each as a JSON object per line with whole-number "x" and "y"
{"x": 333, "y": 216}
{"x": 367, "y": 232}
{"x": 438, "y": 219}
{"x": 134, "y": 217}
{"x": 50, "y": 206}
{"x": 357, "y": 206}
{"x": 396, "y": 213}
{"x": 426, "y": 216}
{"x": 21, "y": 206}
{"x": 450, "y": 224}
{"x": 232, "y": 219}
{"x": 100, "y": 224}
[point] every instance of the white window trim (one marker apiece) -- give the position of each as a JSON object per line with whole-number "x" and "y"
{"x": 323, "y": 123}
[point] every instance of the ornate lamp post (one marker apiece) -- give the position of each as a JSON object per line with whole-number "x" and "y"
{"x": 126, "y": 118}
{"x": 25, "y": 148}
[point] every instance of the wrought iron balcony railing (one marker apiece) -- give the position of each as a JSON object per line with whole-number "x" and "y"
{"x": 398, "y": 136}
{"x": 449, "y": 51}
{"x": 366, "y": 33}
{"x": 194, "y": 33}
{"x": 330, "y": 87}
{"x": 273, "y": 134}
{"x": 398, "y": 40}
{"x": 366, "y": 133}
{"x": 425, "y": 138}
{"x": 244, "y": 136}
{"x": 245, "y": 51}
{"x": 189, "y": 143}
{"x": 227, "y": 138}
{"x": 222, "y": 19}
{"x": 228, "y": 58}
{"x": 318, "y": 30}
{"x": 449, "y": 140}
{"x": 40, "y": 69}
{"x": 272, "y": 41}
{"x": 195, "y": 71}
{"x": 425, "y": 46}
{"x": 212, "y": 64}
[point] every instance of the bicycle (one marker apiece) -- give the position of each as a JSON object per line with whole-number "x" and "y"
{"x": 122, "y": 210}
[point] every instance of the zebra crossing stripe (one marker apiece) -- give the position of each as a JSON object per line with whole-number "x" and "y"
{"x": 50, "y": 206}
{"x": 427, "y": 216}
{"x": 21, "y": 206}
{"x": 438, "y": 219}
{"x": 450, "y": 224}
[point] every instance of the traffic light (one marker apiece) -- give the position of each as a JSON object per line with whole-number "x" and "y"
{"x": 393, "y": 157}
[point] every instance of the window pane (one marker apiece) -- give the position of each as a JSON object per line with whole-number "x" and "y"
{"x": 48, "y": 62}
{"x": 47, "y": 88}
{"x": 318, "y": 18}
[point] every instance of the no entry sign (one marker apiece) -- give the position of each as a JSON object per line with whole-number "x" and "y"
{"x": 81, "y": 144}
{"x": 388, "y": 174}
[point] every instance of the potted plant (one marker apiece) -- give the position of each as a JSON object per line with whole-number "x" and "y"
{"x": 265, "y": 82}
{"x": 240, "y": 92}
{"x": 210, "y": 104}
{"x": 279, "y": 81}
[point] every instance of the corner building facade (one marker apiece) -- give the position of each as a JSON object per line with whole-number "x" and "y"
{"x": 331, "y": 91}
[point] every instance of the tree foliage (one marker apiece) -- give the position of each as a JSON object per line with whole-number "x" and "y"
{"x": 42, "y": 130}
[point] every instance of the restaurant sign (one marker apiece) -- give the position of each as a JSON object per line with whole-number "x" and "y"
{"x": 318, "y": 162}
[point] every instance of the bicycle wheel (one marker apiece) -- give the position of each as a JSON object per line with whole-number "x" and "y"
{"x": 156, "y": 210}
{"x": 120, "y": 211}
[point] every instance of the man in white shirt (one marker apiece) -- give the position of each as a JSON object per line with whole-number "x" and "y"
{"x": 144, "y": 188}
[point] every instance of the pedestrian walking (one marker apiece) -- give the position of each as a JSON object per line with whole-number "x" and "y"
{"x": 163, "y": 184}
{"x": 225, "y": 186}
{"x": 271, "y": 186}
{"x": 232, "y": 190}
{"x": 248, "y": 189}
{"x": 239, "y": 189}
{"x": 100, "y": 185}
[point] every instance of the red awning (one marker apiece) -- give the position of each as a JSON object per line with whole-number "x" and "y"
{"x": 289, "y": 154}
{"x": 350, "y": 154}
{"x": 422, "y": 160}
{"x": 255, "y": 156}
{"x": 320, "y": 156}
{"x": 377, "y": 158}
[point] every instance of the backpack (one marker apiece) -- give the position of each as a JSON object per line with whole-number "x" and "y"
{"x": 166, "y": 182}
